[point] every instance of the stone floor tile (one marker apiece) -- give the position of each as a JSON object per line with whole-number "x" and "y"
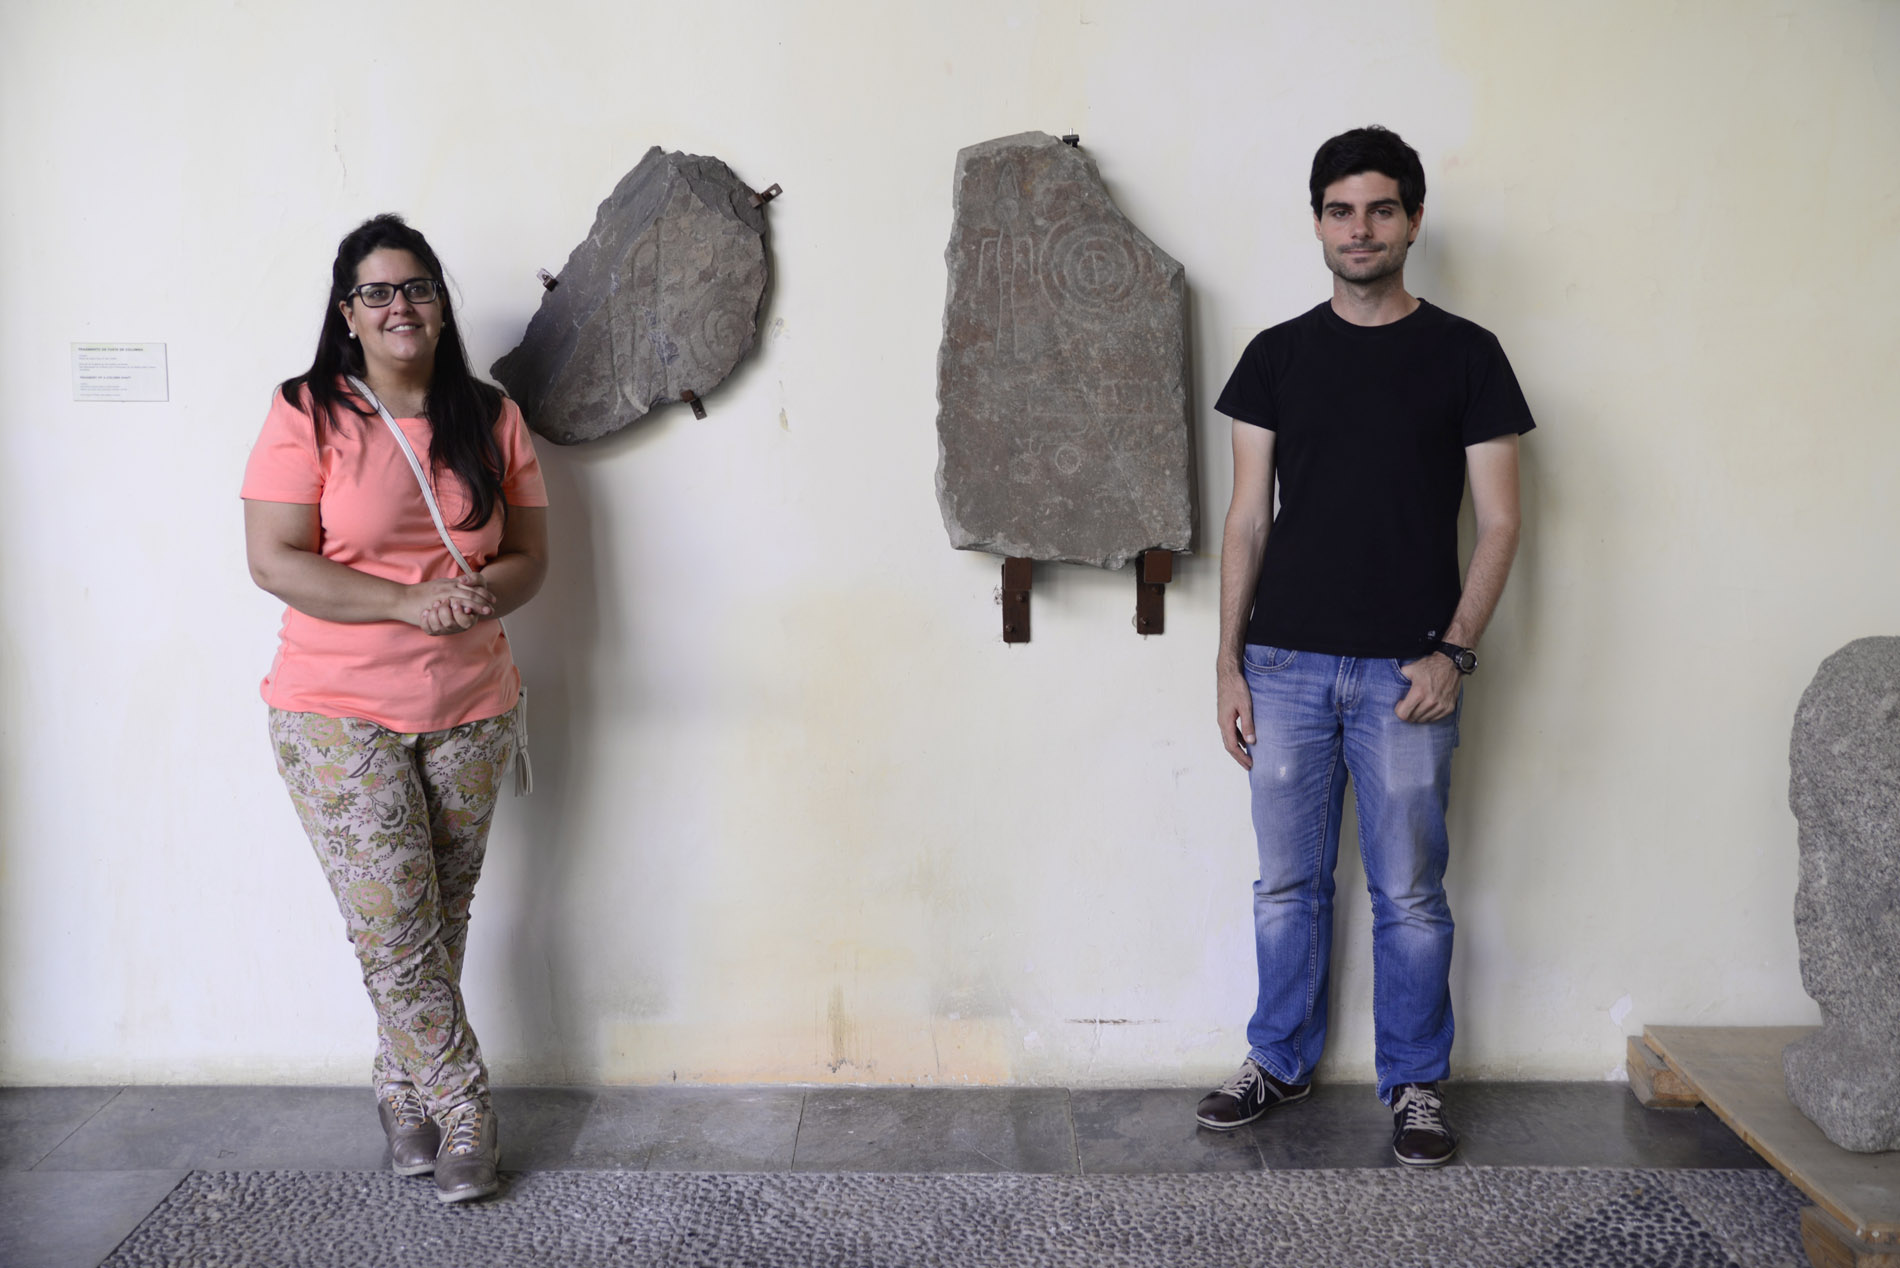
{"x": 1338, "y": 1125}
{"x": 74, "y": 1219}
{"x": 1584, "y": 1125}
{"x": 228, "y": 1128}
{"x": 1684, "y": 1138}
{"x": 940, "y": 1130}
{"x": 936, "y": 1130}
{"x": 540, "y": 1125}
{"x": 33, "y": 1120}
{"x": 692, "y": 1129}
{"x": 1144, "y": 1131}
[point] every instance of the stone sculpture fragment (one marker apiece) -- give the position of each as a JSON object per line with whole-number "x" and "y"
{"x": 657, "y": 304}
{"x": 1063, "y": 429}
{"x": 1845, "y": 794}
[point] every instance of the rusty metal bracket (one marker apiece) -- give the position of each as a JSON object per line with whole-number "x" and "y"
{"x": 548, "y": 280}
{"x": 692, "y": 398}
{"x": 766, "y": 195}
{"x": 1154, "y": 569}
{"x": 1018, "y": 574}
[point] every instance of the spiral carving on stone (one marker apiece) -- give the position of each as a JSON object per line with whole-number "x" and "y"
{"x": 719, "y": 327}
{"x": 1090, "y": 264}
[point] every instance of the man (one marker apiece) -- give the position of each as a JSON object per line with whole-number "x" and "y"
{"x": 1345, "y": 636}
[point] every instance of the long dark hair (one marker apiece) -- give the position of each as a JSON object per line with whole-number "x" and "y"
{"x": 462, "y": 409}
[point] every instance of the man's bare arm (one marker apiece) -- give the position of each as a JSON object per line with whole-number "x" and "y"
{"x": 1243, "y": 541}
{"x": 1492, "y": 466}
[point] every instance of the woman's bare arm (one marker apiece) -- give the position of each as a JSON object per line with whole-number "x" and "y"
{"x": 520, "y": 564}
{"x": 281, "y": 540}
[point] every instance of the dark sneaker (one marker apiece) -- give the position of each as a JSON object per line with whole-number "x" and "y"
{"x": 1420, "y": 1135}
{"x": 1245, "y": 1097}
{"x": 413, "y": 1138}
{"x": 471, "y": 1150}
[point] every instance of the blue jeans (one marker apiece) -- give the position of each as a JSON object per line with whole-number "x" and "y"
{"x": 1318, "y": 719}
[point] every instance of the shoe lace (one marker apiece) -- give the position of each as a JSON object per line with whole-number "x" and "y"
{"x": 1242, "y": 1082}
{"x": 405, "y": 1103}
{"x": 465, "y": 1132}
{"x": 1423, "y": 1109}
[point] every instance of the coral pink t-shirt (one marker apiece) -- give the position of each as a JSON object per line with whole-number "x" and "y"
{"x": 373, "y": 519}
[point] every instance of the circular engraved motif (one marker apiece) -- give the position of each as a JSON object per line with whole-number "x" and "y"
{"x": 1091, "y": 265}
{"x": 1068, "y": 460}
{"x": 717, "y": 330}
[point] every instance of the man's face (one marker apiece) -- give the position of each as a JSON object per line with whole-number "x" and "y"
{"x": 1363, "y": 228}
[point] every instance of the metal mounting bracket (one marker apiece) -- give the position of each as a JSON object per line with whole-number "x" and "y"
{"x": 1154, "y": 569}
{"x": 1018, "y": 574}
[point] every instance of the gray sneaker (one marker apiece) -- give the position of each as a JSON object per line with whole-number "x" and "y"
{"x": 413, "y": 1137}
{"x": 471, "y": 1151}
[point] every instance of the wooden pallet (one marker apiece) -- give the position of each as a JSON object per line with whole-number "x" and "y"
{"x": 1736, "y": 1072}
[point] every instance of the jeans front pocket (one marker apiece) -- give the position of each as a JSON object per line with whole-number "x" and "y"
{"x": 1261, "y": 659}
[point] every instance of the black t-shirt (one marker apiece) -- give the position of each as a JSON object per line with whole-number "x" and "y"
{"x": 1370, "y": 426}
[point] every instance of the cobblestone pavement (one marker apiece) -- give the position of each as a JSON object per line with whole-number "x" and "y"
{"x": 1473, "y": 1217}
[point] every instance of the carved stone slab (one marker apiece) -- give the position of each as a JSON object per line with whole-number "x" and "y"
{"x": 1845, "y": 794}
{"x": 1062, "y": 426}
{"x": 662, "y": 297}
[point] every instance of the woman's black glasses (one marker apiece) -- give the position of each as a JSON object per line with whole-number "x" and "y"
{"x": 417, "y": 290}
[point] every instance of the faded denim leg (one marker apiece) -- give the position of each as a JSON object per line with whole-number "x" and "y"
{"x": 1401, "y": 778}
{"x": 1298, "y": 784}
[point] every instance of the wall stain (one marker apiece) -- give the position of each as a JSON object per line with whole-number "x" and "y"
{"x": 843, "y": 1032}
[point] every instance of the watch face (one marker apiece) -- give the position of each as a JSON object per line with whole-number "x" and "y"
{"x": 1466, "y": 661}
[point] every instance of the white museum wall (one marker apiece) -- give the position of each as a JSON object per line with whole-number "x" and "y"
{"x": 802, "y": 815}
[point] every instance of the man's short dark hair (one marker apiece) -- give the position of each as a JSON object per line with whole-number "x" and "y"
{"x": 1373, "y": 149}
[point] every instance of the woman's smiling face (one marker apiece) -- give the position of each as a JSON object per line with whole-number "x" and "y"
{"x": 401, "y": 337}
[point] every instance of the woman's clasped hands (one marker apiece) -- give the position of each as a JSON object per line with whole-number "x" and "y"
{"x": 448, "y": 606}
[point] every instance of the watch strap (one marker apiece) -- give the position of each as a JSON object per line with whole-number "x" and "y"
{"x": 1463, "y": 657}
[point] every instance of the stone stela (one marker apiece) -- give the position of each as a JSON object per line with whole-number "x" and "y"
{"x": 1063, "y": 426}
{"x": 658, "y": 304}
{"x": 1844, "y": 757}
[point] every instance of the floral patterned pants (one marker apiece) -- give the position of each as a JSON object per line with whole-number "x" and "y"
{"x": 400, "y": 824}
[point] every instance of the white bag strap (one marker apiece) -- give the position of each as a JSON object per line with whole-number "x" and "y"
{"x": 524, "y": 769}
{"x": 422, "y": 478}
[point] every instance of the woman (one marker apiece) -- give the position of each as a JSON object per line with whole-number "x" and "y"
{"x": 393, "y": 698}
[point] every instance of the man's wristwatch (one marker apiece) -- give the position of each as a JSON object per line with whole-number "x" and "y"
{"x": 1463, "y": 657}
